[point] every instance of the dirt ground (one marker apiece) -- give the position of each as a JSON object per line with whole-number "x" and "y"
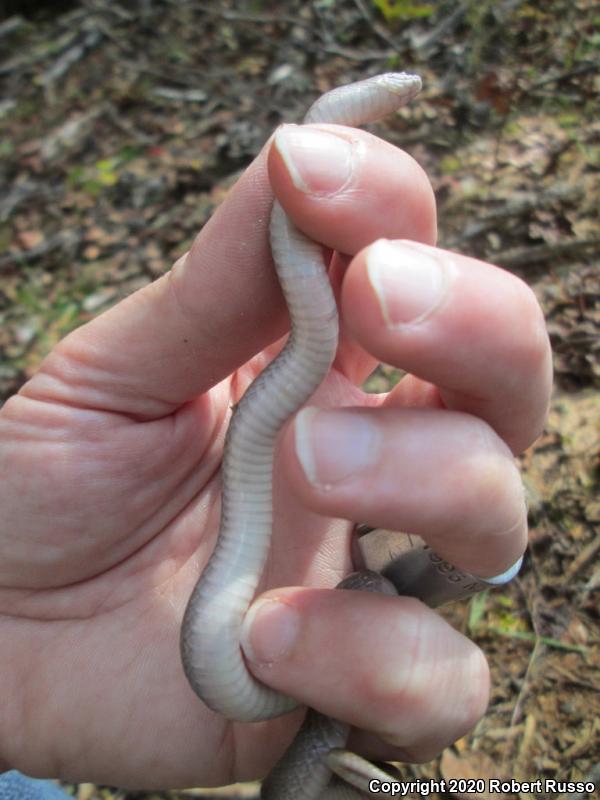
{"x": 122, "y": 126}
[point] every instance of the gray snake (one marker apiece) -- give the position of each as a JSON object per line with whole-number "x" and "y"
{"x": 211, "y": 653}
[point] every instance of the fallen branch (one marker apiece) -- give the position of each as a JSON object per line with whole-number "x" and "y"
{"x": 422, "y": 44}
{"x": 11, "y": 25}
{"x": 593, "y": 776}
{"x": 260, "y": 19}
{"x": 377, "y": 29}
{"x": 70, "y": 135}
{"x": 356, "y": 55}
{"x": 17, "y": 196}
{"x": 180, "y": 95}
{"x": 125, "y": 125}
{"x": 70, "y": 57}
{"x": 582, "y": 559}
{"x": 99, "y": 6}
{"x": 65, "y": 240}
{"x": 327, "y": 44}
{"x": 7, "y": 105}
{"x": 522, "y": 256}
{"x": 522, "y": 203}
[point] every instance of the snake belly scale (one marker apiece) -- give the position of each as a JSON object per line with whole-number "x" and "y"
{"x": 212, "y": 658}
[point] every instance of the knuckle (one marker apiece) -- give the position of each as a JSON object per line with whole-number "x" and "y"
{"x": 441, "y": 708}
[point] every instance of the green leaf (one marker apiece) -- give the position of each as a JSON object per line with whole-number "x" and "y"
{"x": 528, "y": 636}
{"x": 477, "y": 609}
{"x": 105, "y": 165}
{"x": 394, "y": 10}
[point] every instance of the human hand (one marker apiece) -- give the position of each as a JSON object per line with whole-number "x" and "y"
{"x": 109, "y": 460}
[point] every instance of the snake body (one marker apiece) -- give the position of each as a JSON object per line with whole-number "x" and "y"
{"x": 210, "y": 636}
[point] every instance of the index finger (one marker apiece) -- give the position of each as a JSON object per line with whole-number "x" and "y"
{"x": 221, "y": 304}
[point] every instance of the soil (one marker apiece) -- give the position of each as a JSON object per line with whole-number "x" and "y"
{"x": 124, "y": 124}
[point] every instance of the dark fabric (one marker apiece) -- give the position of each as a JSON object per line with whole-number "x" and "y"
{"x": 14, "y": 786}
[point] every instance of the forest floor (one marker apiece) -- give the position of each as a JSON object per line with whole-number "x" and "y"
{"x": 122, "y": 126}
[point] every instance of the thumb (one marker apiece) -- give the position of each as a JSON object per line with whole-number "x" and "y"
{"x": 172, "y": 340}
{"x": 384, "y": 664}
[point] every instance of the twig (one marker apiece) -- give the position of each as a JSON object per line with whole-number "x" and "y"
{"x": 7, "y": 105}
{"x": 259, "y": 19}
{"x": 377, "y": 29}
{"x": 582, "y": 744}
{"x": 180, "y": 95}
{"x": 11, "y": 24}
{"x": 593, "y": 776}
{"x": 582, "y": 559}
{"x": 32, "y": 57}
{"x": 135, "y": 60}
{"x": 517, "y": 714}
{"x": 520, "y": 256}
{"x": 65, "y": 240}
{"x": 70, "y": 134}
{"x": 18, "y": 195}
{"x": 356, "y": 55}
{"x": 424, "y": 43}
{"x": 519, "y": 204}
{"x": 580, "y": 70}
{"x": 127, "y": 126}
{"x": 592, "y": 584}
{"x": 109, "y": 8}
{"x": 527, "y": 740}
{"x": 568, "y": 677}
{"x": 327, "y": 45}
{"x": 70, "y": 57}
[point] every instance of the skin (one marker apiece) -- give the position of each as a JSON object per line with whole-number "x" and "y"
{"x": 109, "y": 490}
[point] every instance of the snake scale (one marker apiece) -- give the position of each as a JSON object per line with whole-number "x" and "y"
{"x": 211, "y": 653}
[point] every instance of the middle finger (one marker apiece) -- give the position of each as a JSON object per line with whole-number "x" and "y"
{"x": 443, "y": 475}
{"x": 472, "y": 329}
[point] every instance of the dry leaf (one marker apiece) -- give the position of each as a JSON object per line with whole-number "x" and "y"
{"x": 474, "y": 768}
{"x": 30, "y": 239}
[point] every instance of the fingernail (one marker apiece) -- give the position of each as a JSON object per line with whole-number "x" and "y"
{"x": 506, "y": 576}
{"x": 409, "y": 281}
{"x": 334, "y": 445}
{"x": 317, "y": 161}
{"x": 269, "y": 631}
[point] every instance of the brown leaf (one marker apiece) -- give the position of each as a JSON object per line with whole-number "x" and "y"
{"x": 30, "y": 239}
{"x": 472, "y": 765}
{"x": 91, "y": 252}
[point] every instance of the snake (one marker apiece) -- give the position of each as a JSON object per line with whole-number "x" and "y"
{"x": 212, "y": 658}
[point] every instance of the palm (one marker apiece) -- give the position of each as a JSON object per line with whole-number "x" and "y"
{"x": 134, "y": 507}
